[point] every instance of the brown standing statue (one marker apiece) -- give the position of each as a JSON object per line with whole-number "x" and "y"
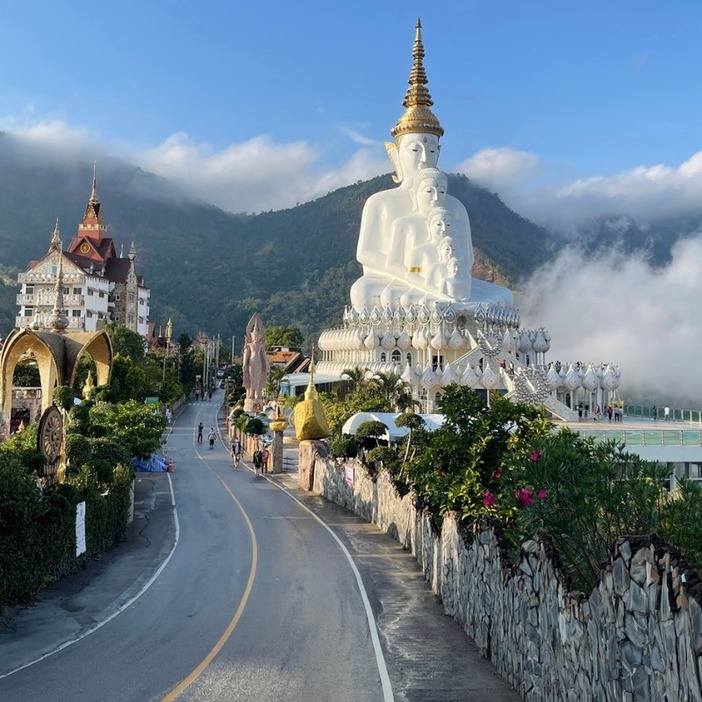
{"x": 255, "y": 364}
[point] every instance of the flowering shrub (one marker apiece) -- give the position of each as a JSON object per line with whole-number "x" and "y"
{"x": 459, "y": 467}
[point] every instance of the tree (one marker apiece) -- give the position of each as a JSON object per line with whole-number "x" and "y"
{"x": 391, "y": 386}
{"x": 413, "y": 422}
{"x": 369, "y": 433}
{"x": 275, "y": 375}
{"x": 135, "y": 426}
{"x": 289, "y": 336}
{"x": 125, "y": 342}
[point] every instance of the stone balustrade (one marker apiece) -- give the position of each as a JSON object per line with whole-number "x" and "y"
{"x": 637, "y": 636}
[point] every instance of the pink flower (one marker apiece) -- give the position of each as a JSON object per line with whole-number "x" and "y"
{"x": 542, "y": 494}
{"x": 536, "y": 456}
{"x": 525, "y": 497}
{"x": 498, "y": 473}
{"x": 489, "y": 498}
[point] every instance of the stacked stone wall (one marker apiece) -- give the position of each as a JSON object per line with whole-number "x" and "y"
{"x": 637, "y": 636}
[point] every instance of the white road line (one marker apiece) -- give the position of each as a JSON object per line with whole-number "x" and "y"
{"x": 379, "y": 657}
{"x": 147, "y": 585}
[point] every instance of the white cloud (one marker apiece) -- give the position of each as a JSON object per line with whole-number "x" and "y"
{"x": 617, "y": 308}
{"x": 500, "y": 168}
{"x": 256, "y": 175}
{"x": 645, "y": 193}
{"x": 253, "y": 176}
{"x": 52, "y": 135}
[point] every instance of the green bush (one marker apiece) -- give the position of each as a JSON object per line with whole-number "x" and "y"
{"x": 37, "y": 531}
{"x": 104, "y": 448}
{"x": 78, "y": 451}
{"x": 343, "y": 446}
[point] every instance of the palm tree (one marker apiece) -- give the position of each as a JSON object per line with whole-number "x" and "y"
{"x": 353, "y": 380}
{"x": 391, "y": 386}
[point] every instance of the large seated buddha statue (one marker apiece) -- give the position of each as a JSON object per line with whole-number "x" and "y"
{"x": 415, "y": 240}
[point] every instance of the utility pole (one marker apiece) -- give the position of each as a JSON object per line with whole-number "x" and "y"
{"x": 232, "y": 349}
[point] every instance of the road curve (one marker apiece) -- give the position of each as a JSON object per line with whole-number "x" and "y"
{"x": 259, "y": 601}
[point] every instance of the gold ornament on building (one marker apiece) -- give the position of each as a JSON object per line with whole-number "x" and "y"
{"x": 417, "y": 118}
{"x": 279, "y": 423}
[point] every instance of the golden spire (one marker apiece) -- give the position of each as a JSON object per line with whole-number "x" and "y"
{"x": 311, "y": 392}
{"x": 417, "y": 118}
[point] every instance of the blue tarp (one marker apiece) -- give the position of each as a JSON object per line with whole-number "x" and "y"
{"x": 154, "y": 464}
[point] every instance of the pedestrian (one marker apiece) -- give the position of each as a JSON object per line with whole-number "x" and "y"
{"x": 266, "y": 454}
{"x": 596, "y": 413}
{"x": 666, "y": 413}
{"x": 211, "y": 437}
{"x": 169, "y": 415}
{"x": 235, "y": 454}
{"x": 257, "y": 461}
{"x": 199, "y": 433}
{"x": 610, "y": 412}
{"x": 654, "y": 413}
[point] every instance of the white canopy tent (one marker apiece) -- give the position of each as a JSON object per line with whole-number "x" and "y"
{"x": 394, "y": 433}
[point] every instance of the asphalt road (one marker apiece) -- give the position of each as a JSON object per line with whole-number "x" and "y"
{"x": 259, "y": 600}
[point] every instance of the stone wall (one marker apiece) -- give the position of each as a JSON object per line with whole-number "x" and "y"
{"x": 637, "y": 636}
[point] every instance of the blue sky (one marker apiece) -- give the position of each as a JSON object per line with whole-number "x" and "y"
{"x": 555, "y": 105}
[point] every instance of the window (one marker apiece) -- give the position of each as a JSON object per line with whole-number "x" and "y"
{"x": 409, "y": 358}
{"x": 29, "y": 290}
{"x": 437, "y": 362}
{"x": 28, "y": 311}
{"x": 75, "y": 313}
{"x": 130, "y": 297}
{"x": 90, "y": 291}
{"x": 383, "y": 357}
{"x": 101, "y": 294}
{"x": 77, "y": 291}
{"x": 88, "y": 314}
{"x": 396, "y": 356}
{"x": 118, "y": 297}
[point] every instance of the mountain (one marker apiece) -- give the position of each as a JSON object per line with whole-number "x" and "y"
{"x": 211, "y": 270}
{"x": 655, "y": 237}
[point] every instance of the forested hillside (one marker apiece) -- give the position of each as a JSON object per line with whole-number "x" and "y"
{"x": 209, "y": 269}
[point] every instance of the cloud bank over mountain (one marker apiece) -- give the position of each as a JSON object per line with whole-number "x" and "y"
{"x": 618, "y": 308}
{"x": 262, "y": 174}
{"x": 539, "y": 191}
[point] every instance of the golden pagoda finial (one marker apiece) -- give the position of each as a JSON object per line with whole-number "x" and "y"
{"x": 417, "y": 118}
{"x": 311, "y": 392}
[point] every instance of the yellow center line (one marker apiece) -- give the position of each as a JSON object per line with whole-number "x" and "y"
{"x": 195, "y": 674}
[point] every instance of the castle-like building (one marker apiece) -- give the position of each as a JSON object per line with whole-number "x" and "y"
{"x": 98, "y": 285}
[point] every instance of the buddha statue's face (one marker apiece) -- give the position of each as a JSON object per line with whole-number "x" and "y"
{"x": 446, "y": 249}
{"x": 417, "y": 151}
{"x": 439, "y": 226}
{"x": 452, "y": 266}
{"x": 431, "y": 192}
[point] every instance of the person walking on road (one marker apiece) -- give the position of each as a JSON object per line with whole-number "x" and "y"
{"x": 257, "y": 461}
{"x": 654, "y": 413}
{"x": 666, "y": 413}
{"x": 211, "y": 437}
{"x": 236, "y": 452}
{"x": 199, "y": 433}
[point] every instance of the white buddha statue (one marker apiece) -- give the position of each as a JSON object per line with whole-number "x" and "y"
{"x": 396, "y": 223}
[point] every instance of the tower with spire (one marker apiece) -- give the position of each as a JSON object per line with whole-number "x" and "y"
{"x": 97, "y": 286}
